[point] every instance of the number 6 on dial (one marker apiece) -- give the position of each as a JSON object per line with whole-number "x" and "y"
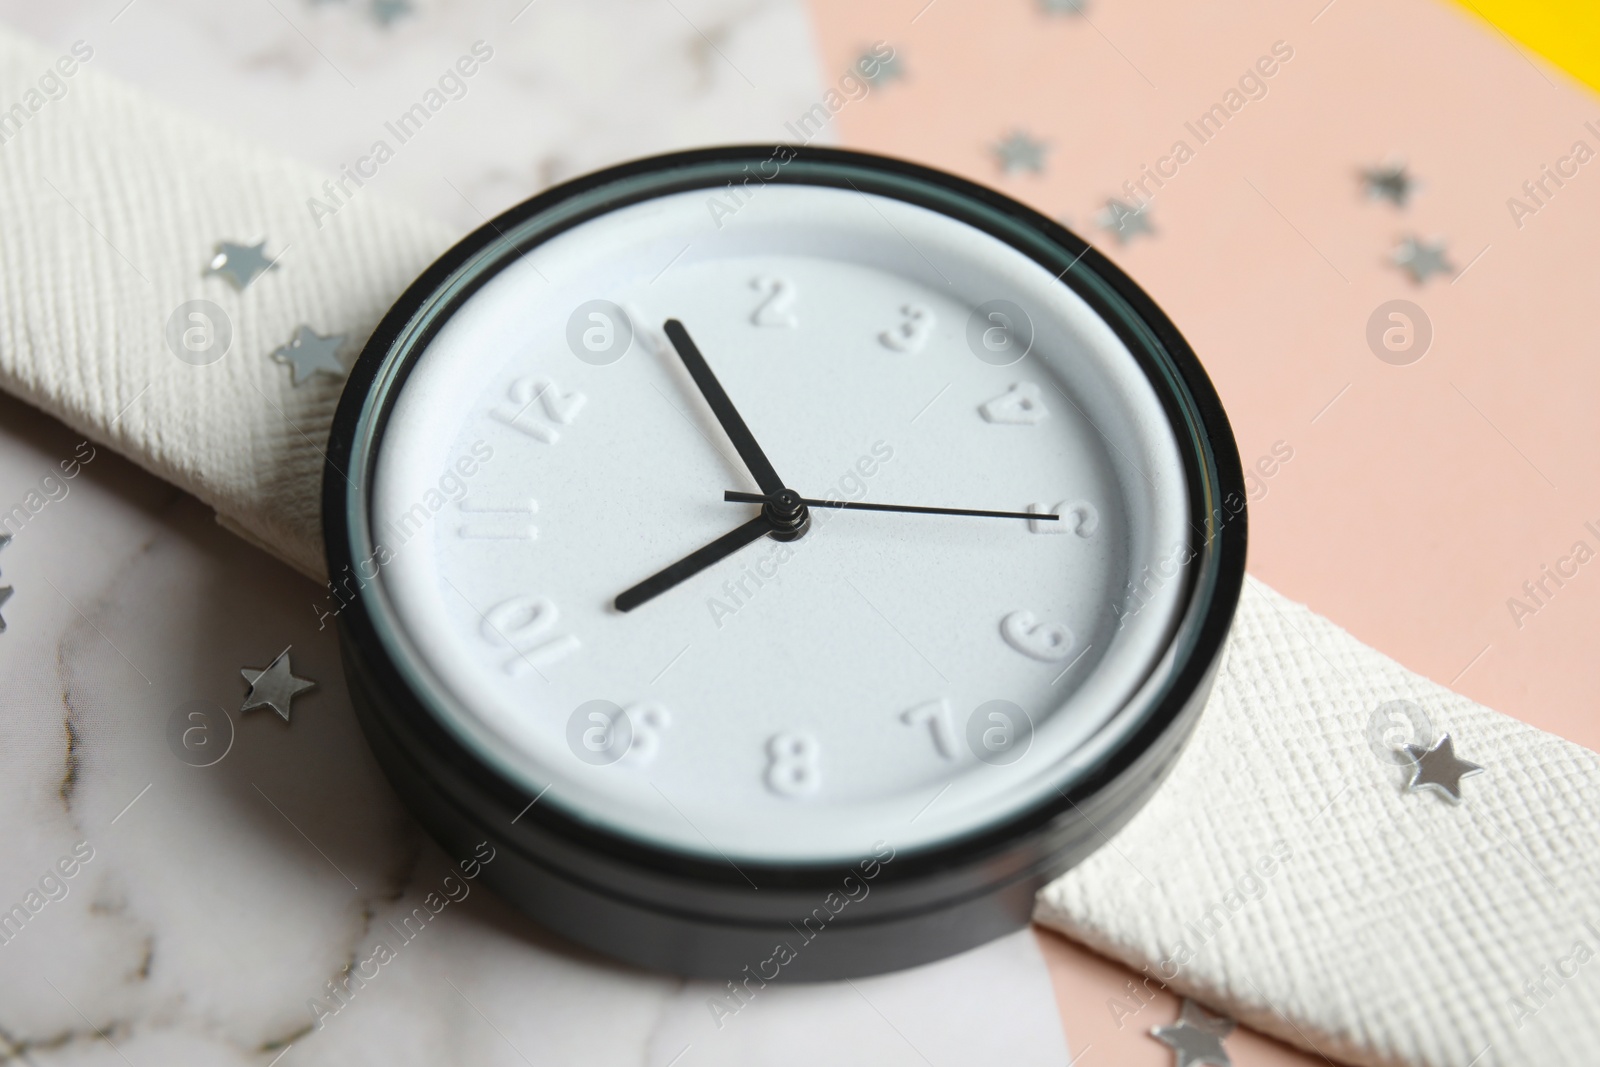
{"x": 1048, "y": 641}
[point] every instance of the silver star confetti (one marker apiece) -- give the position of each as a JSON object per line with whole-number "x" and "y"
{"x": 1196, "y": 1038}
{"x": 308, "y": 353}
{"x": 1063, "y": 7}
{"x": 1018, "y": 152}
{"x": 275, "y": 688}
{"x": 5, "y": 590}
{"x": 1422, "y": 259}
{"x": 1389, "y": 182}
{"x": 883, "y": 70}
{"x": 240, "y": 264}
{"x": 385, "y": 12}
{"x": 1437, "y": 768}
{"x": 1124, "y": 221}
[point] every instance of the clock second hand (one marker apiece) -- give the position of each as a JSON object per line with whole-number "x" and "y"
{"x": 762, "y": 525}
{"x": 851, "y": 505}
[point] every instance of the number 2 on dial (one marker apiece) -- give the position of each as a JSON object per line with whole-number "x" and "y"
{"x": 775, "y": 309}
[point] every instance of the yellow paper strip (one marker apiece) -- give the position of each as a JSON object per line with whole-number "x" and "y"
{"x": 1566, "y": 32}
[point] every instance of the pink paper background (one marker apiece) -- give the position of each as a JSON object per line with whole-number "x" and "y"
{"x": 1420, "y": 501}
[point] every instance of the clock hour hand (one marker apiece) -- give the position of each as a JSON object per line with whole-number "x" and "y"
{"x": 696, "y": 561}
{"x": 743, "y": 440}
{"x": 852, "y": 505}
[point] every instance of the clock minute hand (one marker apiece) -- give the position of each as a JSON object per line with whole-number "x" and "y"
{"x": 695, "y": 562}
{"x": 852, "y": 505}
{"x": 743, "y": 440}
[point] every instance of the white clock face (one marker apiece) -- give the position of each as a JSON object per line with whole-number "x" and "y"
{"x": 908, "y": 678}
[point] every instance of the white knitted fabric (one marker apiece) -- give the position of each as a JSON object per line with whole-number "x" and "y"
{"x": 1399, "y": 928}
{"x": 1402, "y": 926}
{"x": 110, "y": 210}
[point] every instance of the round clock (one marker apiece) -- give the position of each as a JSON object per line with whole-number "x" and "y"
{"x": 785, "y": 560}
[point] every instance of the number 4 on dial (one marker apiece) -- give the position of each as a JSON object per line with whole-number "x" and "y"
{"x": 936, "y": 713}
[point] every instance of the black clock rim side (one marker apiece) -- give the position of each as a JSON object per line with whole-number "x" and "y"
{"x": 686, "y": 914}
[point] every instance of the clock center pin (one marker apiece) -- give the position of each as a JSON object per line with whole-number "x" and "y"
{"x": 789, "y": 514}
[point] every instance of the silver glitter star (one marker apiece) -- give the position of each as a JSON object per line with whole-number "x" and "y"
{"x": 240, "y": 264}
{"x": 1020, "y": 152}
{"x": 1438, "y": 768}
{"x": 274, "y": 687}
{"x": 5, "y": 590}
{"x": 1063, "y": 7}
{"x": 1389, "y": 182}
{"x": 308, "y": 352}
{"x": 883, "y": 70}
{"x": 1124, "y": 221}
{"x": 385, "y": 12}
{"x": 1196, "y": 1037}
{"x": 1421, "y": 259}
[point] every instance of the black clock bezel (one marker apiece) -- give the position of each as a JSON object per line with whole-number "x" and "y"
{"x": 931, "y": 901}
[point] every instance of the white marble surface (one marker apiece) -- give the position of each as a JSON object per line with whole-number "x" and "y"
{"x": 573, "y": 84}
{"x": 220, "y": 900}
